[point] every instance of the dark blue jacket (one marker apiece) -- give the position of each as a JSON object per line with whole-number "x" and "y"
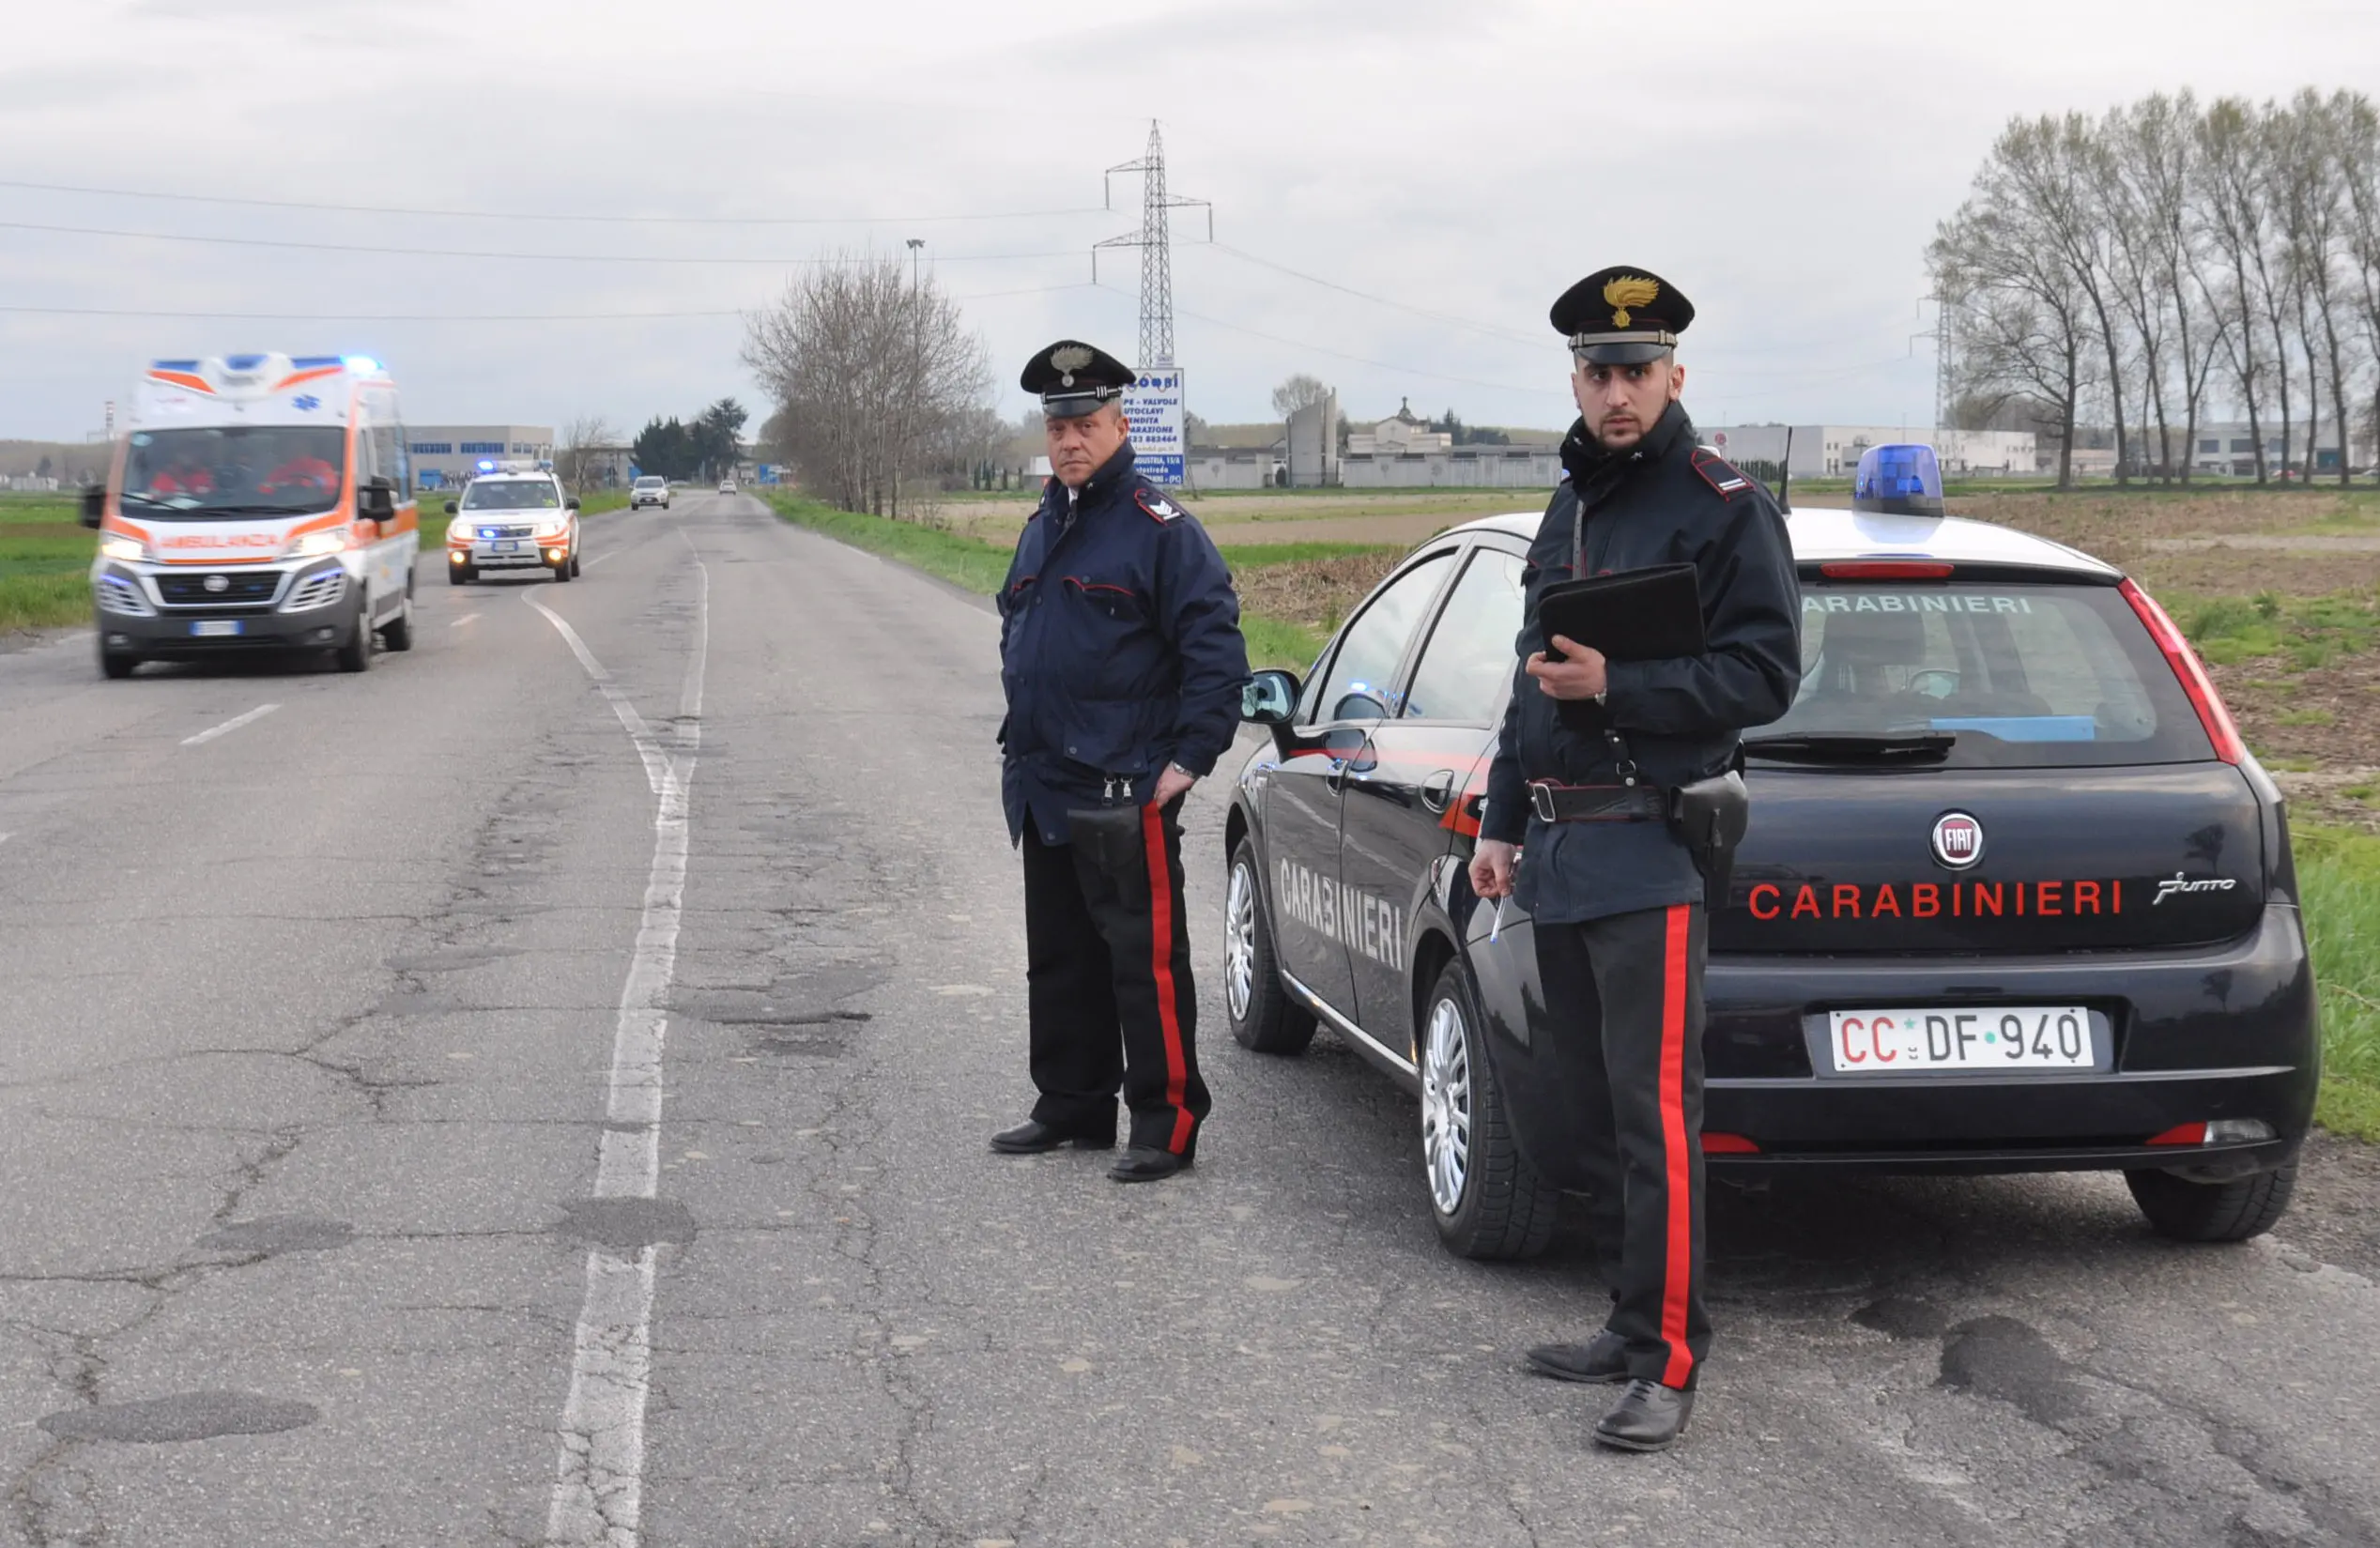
{"x": 1663, "y": 501}
{"x": 1119, "y": 650}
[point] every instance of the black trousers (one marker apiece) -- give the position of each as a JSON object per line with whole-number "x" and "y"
{"x": 1107, "y": 978}
{"x": 1609, "y": 1102}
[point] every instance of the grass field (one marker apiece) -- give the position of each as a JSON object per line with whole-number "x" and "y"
{"x": 45, "y": 558}
{"x": 2339, "y": 876}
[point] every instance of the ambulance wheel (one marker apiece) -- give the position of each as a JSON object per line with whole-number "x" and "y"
{"x": 1263, "y": 1016}
{"x": 356, "y": 655}
{"x": 397, "y": 633}
{"x": 2229, "y": 1211}
{"x": 115, "y": 666}
{"x": 574, "y": 564}
{"x": 1485, "y": 1198}
{"x": 458, "y": 575}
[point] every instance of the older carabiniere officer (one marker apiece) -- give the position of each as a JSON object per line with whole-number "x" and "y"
{"x": 1593, "y": 756}
{"x": 1121, "y": 654}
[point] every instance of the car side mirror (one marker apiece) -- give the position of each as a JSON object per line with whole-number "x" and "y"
{"x": 376, "y": 501}
{"x": 451, "y": 508}
{"x": 94, "y": 508}
{"x": 571, "y": 504}
{"x": 1269, "y": 697}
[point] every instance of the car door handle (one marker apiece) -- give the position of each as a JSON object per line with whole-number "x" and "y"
{"x": 1438, "y": 791}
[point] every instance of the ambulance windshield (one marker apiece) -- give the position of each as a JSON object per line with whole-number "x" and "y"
{"x": 235, "y": 471}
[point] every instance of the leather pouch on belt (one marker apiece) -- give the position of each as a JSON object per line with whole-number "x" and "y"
{"x": 1113, "y": 840}
{"x": 1710, "y": 816}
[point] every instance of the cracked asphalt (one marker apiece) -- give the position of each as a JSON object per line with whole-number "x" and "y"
{"x": 304, "y": 1040}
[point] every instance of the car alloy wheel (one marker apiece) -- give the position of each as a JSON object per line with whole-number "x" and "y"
{"x": 1445, "y": 1104}
{"x": 1239, "y": 941}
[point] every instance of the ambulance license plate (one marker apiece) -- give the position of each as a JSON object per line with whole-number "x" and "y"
{"x": 505, "y": 547}
{"x": 206, "y": 626}
{"x": 1994, "y": 1038}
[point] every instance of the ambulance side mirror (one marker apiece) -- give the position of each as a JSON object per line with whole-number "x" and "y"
{"x": 571, "y": 504}
{"x": 451, "y": 508}
{"x": 376, "y": 501}
{"x": 94, "y": 508}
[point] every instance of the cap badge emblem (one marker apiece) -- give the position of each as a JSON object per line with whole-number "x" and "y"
{"x": 1070, "y": 358}
{"x": 1627, "y": 291}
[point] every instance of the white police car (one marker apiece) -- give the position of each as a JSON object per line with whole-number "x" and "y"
{"x": 512, "y": 519}
{"x": 2015, "y": 895}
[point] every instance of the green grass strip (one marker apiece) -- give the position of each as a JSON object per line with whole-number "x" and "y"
{"x": 2339, "y": 882}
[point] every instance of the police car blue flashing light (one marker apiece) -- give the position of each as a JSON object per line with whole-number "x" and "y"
{"x": 1899, "y": 481}
{"x": 487, "y": 465}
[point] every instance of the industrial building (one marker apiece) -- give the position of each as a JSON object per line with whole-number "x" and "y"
{"x": 1832, "y": 450}
{"x": 445, "y": 455}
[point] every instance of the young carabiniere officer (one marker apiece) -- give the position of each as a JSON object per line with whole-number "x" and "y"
{"x": 1121, "y": 654}
{"x": 1592, "y": 756}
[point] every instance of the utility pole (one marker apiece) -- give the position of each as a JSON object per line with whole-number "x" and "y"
{"x": 914, "y": 244}
{"x": 1154, "y": 240}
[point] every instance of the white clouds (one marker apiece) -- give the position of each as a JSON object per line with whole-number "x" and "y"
{"x": 1783, "y": 162}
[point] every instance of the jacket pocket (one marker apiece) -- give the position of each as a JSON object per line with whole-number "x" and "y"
{"x": 1107, "y": 736}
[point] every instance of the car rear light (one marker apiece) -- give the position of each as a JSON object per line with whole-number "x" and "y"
{"x": 2180, "y": 1134}
{"x": 2220, "y": 729}
{"x": 1728, "y": 1145}
{"x": 2216, "y": 1131}
{"x": 1886, "y": 569}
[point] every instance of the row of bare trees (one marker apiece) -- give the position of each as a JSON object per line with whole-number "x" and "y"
{"x": 2169, "y": 260}
{"x": 881, "y": 392}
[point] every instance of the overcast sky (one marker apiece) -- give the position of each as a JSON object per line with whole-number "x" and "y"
{"x": 1782, "y": 162}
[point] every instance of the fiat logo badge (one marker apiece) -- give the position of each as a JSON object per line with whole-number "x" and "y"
{"x": 1958, "y": 840}
{"x": 218, "y": 584}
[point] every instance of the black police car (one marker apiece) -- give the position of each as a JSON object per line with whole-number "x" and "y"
{"x": 2015, "y": 897}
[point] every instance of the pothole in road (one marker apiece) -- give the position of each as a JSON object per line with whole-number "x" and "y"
{"x": 280, "y": 1233}
{"x": 184, "y": 1415}
{"x": 625, "y": 1227}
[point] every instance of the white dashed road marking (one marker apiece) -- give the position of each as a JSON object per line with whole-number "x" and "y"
{"x": 467, "y": 617}
{"x": 235, "y": 723}
{"x": 599, "y": 1479}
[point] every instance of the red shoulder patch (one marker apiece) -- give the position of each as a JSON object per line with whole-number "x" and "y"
{"x": 1719, "y": 473}
{"x": 1157, "y": 507}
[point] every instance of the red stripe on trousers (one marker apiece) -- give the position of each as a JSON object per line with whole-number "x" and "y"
{"x": 1160, "y": 890}
{"x": 1678, "y": 1276}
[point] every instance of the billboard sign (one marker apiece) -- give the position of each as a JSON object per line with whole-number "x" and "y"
{"x": 1153, "y": 406}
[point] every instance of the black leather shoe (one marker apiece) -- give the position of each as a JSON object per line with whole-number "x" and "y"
{"x": 1648, "y": 1417}
{"x": 1033, "y": 1137}
{"x": 1601, "y": 1360}
{"x": 1145, "y": 1164}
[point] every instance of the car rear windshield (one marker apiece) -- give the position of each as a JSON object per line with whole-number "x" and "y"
{"x": 2029, "y": 676}
{"x": 650, "y": 483}
{"x": 510, "y": 495}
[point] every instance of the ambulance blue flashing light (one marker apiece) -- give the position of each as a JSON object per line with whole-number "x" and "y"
{"x": 488, "y": 464}
{"x": 362, "y": 363}
{"x": 1899, "y": 481}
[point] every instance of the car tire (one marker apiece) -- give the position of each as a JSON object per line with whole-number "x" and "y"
{"x": 2231, "y": 1211}
{"x": 356, "y": 655}
{"x": 574, "y": 566}
{"x": 458, "y": 575}
{"x": 1263, "y": 1016}
{"x": 1487, "y": 1198}
{"x": 115, "y": 666}
{"x": 397, "y": 633}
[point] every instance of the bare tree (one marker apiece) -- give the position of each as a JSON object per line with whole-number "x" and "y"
{"x": 2358, "y": 131}
{"x": 1298, "y": 392}
{"x": 876, "y": 378}
{"x": 2025, "y": 330}
{"x": 2234, "y": 210}
{"x": 583, "y": 440}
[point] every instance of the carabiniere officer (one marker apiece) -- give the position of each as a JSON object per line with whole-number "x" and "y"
{"x": 1594, "y": 756}
{"x": 1121, "y": 654}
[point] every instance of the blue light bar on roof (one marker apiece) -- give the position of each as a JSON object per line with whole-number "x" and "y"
{"x": 310, "y": 363}
{"x": 242, "y": 362}
{"x": 1899, "y": 481}
{"x": 364, "y": 363}
{"x": 172, "y": 365}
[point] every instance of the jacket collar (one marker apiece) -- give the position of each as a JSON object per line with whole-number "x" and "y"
{"x": 1585, "y": 456}
{"x": 1113, "y": 474}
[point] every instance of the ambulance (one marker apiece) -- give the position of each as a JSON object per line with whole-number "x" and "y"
{"x": 256, "y": 502}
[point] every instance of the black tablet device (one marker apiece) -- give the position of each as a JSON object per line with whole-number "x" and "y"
{"x": 1636, "y": 615}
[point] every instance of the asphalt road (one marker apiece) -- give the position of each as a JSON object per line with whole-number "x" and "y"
{"x": 333, "y": 1211}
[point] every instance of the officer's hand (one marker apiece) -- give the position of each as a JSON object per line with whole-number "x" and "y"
{"x": 1578, "y": 674}
{"x": 1172, "y": 783}
{"x": 1492, "y": 868}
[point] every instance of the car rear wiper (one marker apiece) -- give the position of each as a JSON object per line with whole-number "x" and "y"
{"x": 1852, "y": 748}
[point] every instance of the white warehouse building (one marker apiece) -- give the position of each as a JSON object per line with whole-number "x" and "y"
{"x": 1832, "y": 450}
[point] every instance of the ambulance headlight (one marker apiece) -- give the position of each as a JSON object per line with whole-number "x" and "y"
{"x": 1899, "y": 481}
{"x": 315, "y": 545}
{"x": 116, "y": 545}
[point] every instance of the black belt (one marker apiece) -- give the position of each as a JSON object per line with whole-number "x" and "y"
{"x": 1597, "y": 802}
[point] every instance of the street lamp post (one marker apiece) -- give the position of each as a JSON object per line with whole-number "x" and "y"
{"x": 915, "y": 243}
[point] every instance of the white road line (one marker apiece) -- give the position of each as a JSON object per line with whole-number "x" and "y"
{"x": 599, "y": 1476}
{"x": 604, "y": 554}
{"x": 467, "y": 617}
{"x": 235, "y": 723}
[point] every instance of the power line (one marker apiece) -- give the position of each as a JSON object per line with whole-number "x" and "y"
{"x": 1488, "y": 328}
{"x": 1359, "y": 359}
{"x": 539, "y": 215}
{"x": 447, "y": 316}
{"x": 466, "y": 253}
